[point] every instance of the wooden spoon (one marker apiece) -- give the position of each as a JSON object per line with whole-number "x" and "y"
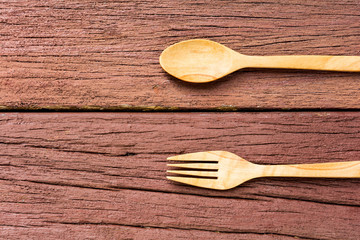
{"x": 201, "y": 61}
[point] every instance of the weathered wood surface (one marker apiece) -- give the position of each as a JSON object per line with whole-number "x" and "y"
{"x": 102, "y": 176}
{"x": 104, "y": 54}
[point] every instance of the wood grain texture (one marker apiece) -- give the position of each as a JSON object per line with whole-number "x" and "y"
{"x": 102, "y": 176}
{"x": 104, "y": 54}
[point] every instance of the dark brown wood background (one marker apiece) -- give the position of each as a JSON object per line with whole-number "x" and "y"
{"x": 89, "y": 174}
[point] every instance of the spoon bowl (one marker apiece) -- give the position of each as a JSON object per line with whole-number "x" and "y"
{"x": 201, "y": 60}
{"x": 198, "y": 60}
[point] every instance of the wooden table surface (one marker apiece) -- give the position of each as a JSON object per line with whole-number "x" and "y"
{"x": 88, "y": 118}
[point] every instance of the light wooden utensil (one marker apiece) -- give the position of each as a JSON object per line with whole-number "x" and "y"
{"x": 224, "y": 170}
{"x": 201, "y": 61}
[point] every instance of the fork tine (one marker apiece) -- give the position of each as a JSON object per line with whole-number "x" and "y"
{"x": 195, "y": 165}
{"x": 198, "y": 182}
{"x": 194, "y": 173}
{"x": 199, "y": 156}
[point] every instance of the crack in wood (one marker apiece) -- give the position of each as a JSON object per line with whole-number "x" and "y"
{"x": 178, "y": 228}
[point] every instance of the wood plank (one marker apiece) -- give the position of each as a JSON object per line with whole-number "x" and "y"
{"x": 104, "y": 54}
{"x": 108, "y": 231}
{"x": 103, "y": 175}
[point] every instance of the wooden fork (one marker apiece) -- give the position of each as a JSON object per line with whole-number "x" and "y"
{"x": 224, "y": 170}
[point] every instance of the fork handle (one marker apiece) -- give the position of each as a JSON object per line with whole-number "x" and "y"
{"x": 309, "y": 62}
{"x": 321, "y": 170}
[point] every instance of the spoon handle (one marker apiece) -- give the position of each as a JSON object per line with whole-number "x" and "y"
{"x": 309, "y": 62}
{"x": 322, "y": 170}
